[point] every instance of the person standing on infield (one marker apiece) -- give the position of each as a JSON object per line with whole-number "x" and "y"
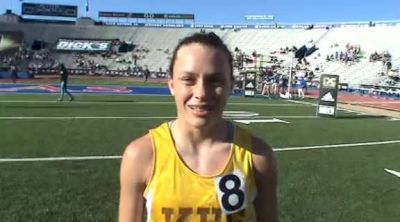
{"x": 64, "y": 84}
{"x": 199, "y": 167}
{"x": 14, "y": 73}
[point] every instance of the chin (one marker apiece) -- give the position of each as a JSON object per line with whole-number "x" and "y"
{"x": 203, "y": 122}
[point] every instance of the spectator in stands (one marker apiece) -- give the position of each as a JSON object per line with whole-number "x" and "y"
{"x": 135, "y": 58}
{"x": 64, "y": 83}
{"x": 328, "y": 58}
{"x": 388, "y": 66}
{"x": 199, "y": 161}
{"x": 309, "y": 75}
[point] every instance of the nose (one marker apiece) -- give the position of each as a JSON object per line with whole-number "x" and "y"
{"x": 200, "y": 90}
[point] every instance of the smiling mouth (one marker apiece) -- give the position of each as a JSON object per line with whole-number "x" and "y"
{"x": 201, "y": 109}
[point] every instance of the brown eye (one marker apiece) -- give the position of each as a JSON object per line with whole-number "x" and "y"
{"x": 187, "y": 80}
{"x": 218, "y": 82}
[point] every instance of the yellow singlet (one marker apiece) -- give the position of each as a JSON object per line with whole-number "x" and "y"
{"x": 176, "y": 193}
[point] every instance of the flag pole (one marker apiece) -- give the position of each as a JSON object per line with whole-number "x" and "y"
{"x": 87, "y": 8}
{"x": 292, "y": 55}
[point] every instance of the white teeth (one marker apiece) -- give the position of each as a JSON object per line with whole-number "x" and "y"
{"x": 198, "y": 108}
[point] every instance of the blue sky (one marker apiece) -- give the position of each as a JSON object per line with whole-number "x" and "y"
{"x": 233, "y": 11}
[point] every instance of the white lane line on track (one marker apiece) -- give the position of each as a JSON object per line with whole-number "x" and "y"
{"x": 86, "y": 102}
{"x": 337, "y": 145}
{"x": 39, "y": 159}
{"x": 249, "y": 121}
{"x": 80, "y": 117}
{"x": 139, "y": 102}
{"x": 393, "y": 172}
{"x": 118, "y": 157}
{"x": 377, "y": 102}
{"x": 128, "y": 117}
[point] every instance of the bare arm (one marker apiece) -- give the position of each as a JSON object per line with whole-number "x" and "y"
{"x": 135, "y": 171}
{"x": 266, "y": 203}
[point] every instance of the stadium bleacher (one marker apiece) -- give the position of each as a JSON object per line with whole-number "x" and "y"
{"x": 153, "y": 48}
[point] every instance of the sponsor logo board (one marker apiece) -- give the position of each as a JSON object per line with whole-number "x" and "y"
{"x": 328, "y": 93}
{"x": 83, "y": 45}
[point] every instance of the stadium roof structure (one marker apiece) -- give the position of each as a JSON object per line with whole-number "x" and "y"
{"x": 13, "y": 18}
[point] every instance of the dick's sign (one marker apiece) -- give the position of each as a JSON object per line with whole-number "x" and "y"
{"x": 83, "y": 45}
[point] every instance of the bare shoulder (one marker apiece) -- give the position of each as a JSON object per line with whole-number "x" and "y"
{"x": 139, "y": 146}
{"x": 263, "y": 157}
{"x": 135, "y": 170}
{"x": 137, "y": 159}
{"x": 265, "y": 173}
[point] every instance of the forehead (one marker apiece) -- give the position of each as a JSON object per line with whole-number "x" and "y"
{"x": 201, "y": 49}
{"x": 200, "y": 57}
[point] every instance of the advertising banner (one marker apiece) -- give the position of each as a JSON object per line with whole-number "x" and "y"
{"x": 146, "y": 15}
{"x": 49, "y": 10}
{"x": 259, "y": 17}
{"x": 83, "y": 45}
{"x": 328, "y": 93}
{"x": 249, "y": 84}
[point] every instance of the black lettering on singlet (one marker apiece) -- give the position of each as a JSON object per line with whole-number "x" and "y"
{"x": 217, "y": 214}
{"x": 203, "y": 212}
{"x": 236, "y": 217}
{"x": 184, "y": 213}
{"x": 167, "y": 213}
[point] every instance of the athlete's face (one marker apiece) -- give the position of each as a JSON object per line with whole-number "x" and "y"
{"x": 201, "y": 84}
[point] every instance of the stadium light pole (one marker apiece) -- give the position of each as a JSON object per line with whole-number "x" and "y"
{"x": 86, "y": 8}
{"x": 292, "y": 54}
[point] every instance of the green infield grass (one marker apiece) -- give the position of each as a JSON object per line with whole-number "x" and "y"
{"x": 330, "y": 169}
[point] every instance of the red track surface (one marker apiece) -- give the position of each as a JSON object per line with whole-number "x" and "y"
{"x": 364, "y": 100}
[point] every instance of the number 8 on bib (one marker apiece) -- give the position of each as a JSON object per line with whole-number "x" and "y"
{"x": 231, "y": 192}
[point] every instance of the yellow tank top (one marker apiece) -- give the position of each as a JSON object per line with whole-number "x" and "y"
{"x": 176, "y": 193}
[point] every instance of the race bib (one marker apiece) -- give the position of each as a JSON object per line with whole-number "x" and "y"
{"x": 231, "y": 192}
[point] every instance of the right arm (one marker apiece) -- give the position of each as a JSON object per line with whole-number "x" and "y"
{"x": 266, "y": 202}
{"x": 135, "y": 171}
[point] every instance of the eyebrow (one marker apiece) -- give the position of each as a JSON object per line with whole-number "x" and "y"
{"x": 190, "y": 73}
{"x": 195, "y": 74}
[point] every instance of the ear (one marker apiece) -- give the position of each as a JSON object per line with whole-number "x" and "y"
{"x": 171, "y": 86}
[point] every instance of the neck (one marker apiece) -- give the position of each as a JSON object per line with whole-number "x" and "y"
{"x": 197, "y": 136}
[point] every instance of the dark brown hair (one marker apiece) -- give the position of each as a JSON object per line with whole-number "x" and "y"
{"x": 208, "y": 39}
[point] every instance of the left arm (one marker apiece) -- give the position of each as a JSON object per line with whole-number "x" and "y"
{"x": 266, "y": 202}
